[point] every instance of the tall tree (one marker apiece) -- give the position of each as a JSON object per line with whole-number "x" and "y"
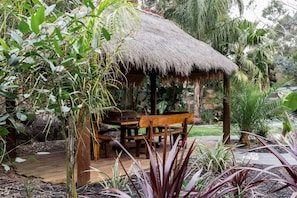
{"x": 283, "y": 16}
{"x": 252, "y": 52}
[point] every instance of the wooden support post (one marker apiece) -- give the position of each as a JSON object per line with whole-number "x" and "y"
{"x": 153, "y": 79}
{"x": 83, "y": 154}
{"x": 226, "y": 110}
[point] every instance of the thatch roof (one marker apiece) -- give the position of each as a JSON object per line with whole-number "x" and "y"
{"x": 161, "y": 46}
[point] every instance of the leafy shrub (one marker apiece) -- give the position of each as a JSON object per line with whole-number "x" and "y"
{"x": 217, "y": 159}
{"x": 207, "y": 116}
{"x": 117, "y": 181}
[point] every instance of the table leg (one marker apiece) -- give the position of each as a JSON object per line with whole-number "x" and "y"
{"x": 123, "y": 136}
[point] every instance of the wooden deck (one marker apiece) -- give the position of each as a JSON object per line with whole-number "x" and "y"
{"x": 52, "y": 167}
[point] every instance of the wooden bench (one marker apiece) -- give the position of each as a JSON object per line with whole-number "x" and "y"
{"x": 151, "y": 122}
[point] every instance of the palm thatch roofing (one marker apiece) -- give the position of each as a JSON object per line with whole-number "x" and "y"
{"x": 162, "y": 47}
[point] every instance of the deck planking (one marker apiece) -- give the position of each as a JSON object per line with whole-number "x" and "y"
{"x": 52, "y": 167}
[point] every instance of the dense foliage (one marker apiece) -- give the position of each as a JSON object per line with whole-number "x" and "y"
{"x": 53, "y": 61}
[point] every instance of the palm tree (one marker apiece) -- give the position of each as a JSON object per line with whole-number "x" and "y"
{"x": 252, "y": 52}
{"x": 251, "y": 108}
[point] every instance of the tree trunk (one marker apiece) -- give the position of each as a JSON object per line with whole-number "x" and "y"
{"x": 198, "y": 91}
{"x": 83, "y": 150}
{"x": 244, "y": 139}
{"x": 226, "y": 111}
{"x": 70, "y": 159}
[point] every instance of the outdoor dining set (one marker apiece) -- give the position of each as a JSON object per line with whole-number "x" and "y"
{"x": 133, "y": 130}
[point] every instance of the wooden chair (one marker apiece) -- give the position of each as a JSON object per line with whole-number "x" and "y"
{"x": 101, "y": 140}
{"x": 104, "y": 141}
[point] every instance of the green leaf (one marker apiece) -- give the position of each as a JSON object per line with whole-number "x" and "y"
{"x": 24, "y": 27}
{"x": 34, "y": 24}
{"x": 21, "y": 116}
{"x": 106, "y": 34}
{"x": 3, "y": 131}
{"x": 37, "y": 19}
{"x": 3, "y": 44}
{"x": 40, "y": 14}
{"x": 54, "y": 106}
{"x": 58, "y": 48}
{"x": 291, "y": 101}
{"x": 75, "y": 29}
{"x": 89, "y": 3}
{"x": 32, "y": 158}
{"x": 287, "y": 126}
{"x": 58, "y": 33}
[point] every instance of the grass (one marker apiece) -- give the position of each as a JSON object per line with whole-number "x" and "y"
{"x": 202, "y": 130}
{"x": 210, "y": 130}
{"x": 207, "y": 130}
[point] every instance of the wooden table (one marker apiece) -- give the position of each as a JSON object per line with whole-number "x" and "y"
{"x": 125, "y": 119}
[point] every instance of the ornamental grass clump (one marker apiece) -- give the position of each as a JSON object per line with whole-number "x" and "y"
{"x": 116, "y": 181}
{"x": 217, "y": 159}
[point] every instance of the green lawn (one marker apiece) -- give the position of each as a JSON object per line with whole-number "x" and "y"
{"x": 202, "y": 130}
{"x": 207, "y": 130}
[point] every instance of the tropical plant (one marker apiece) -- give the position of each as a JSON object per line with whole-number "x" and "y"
{"x": 215, "y": 160}
{"x": 247, "y": 186}
{"x": 251, "y": 108}
{"x": 116, "y": 181}
{"x": 60, "y": 61}
{"x": 252, "y": 52}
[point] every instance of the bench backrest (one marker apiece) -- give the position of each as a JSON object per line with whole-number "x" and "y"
{"x": 147, "y": 121}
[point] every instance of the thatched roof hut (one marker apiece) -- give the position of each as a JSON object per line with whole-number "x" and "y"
{"x": 161, "y": 46}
